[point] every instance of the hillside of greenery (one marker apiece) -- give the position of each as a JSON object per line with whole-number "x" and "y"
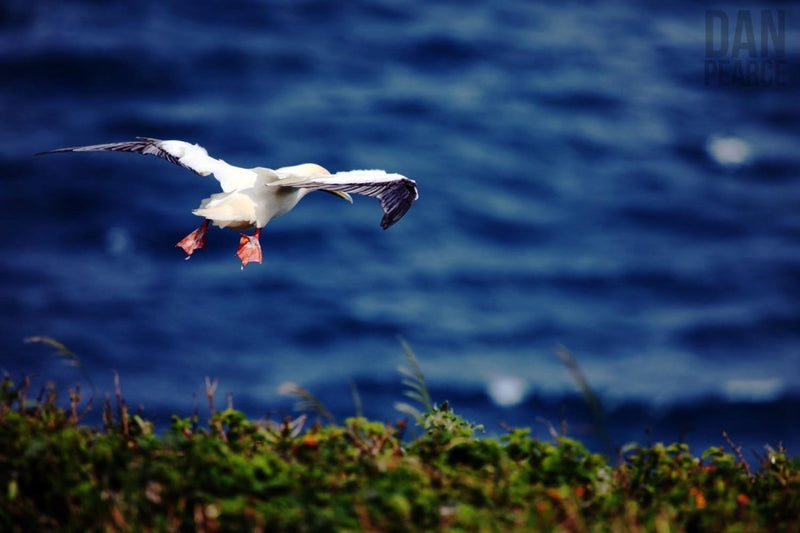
{"x": 234, "y": 474}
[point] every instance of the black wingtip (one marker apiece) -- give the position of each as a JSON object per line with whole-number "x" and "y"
{"x": 387, "y": 221}
{"x": 56, "y": 151}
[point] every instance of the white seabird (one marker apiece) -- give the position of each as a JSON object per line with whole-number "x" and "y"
{"x": 251, "y": 197}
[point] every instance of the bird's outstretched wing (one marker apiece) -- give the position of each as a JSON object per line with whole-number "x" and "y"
{"x": 173, "y": 151}
{"x": 189, "y": 156}
{"x": 395, "y": 191}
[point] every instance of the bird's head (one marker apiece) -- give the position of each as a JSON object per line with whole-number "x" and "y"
{"x": 305, "y": 170}
{"x": 311, "y": 170}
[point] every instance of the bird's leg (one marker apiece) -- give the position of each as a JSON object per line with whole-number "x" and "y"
{"x": 249, "y": 248}
{"x": 195, "y": 240}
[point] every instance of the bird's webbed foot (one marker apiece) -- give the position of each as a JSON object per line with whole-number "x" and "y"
{"x": 195, "y": 240}
{"x": 249, "y": 248}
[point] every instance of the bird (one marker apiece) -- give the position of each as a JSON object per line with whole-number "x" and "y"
{"x": 251, "y": 197}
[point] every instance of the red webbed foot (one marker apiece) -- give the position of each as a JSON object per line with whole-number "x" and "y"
{"x": 195, "y": 240}
{"x": 249, "y": 248}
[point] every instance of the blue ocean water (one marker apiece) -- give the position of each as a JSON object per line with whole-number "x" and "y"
{"x": 580, "y": 186}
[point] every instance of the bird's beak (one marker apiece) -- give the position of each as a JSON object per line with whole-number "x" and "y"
{"x": 342, "y": 195}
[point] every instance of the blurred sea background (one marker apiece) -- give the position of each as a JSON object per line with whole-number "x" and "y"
{"x": 580, "y": 186}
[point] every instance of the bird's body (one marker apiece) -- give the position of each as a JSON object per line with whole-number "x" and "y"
{"x": 250, "y": 198}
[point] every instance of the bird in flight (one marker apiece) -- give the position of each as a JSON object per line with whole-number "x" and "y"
{"x": 251, "y": 197}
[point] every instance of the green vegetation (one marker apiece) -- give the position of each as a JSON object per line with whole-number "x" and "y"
{"x": 57, "y": 474}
